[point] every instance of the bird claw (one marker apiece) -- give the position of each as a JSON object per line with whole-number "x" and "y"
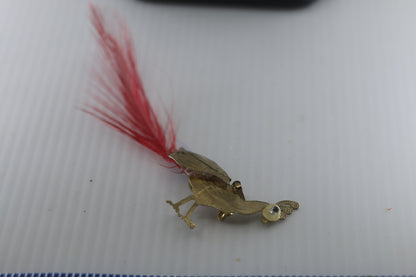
{"x": 174, "y": 206}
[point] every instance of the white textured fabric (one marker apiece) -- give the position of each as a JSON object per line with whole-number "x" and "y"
{"x": 316, "y": 105}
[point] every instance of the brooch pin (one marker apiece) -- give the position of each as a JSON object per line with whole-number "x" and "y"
{"x": 120, "y": 101}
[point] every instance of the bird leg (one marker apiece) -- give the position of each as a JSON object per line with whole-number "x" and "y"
{"x": 188, "y": 214}
{"x": 180, "y": 203}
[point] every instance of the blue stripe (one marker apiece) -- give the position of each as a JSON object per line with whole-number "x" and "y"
{"x": 50, "y": 274}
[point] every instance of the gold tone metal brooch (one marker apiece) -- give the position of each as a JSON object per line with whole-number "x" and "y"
{"x": 210, "y": 186}
{"x": 120, "y": 101}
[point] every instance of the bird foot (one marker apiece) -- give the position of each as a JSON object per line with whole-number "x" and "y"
{"x": 185, "y": 218}
{"x": 174, "y": 206}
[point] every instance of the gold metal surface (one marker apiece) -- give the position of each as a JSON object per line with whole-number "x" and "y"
{"x": 211, "y": 187}
{"x": 193, "y": 162}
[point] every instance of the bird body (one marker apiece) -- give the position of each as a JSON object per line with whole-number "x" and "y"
{"x": 211, "y": 187}
{"x": 121, "y": 102}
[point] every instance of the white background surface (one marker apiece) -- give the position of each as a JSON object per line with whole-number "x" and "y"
{"x": 316, "y": 105}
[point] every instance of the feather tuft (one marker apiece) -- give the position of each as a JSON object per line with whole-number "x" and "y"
{"x": 119, "y": 98}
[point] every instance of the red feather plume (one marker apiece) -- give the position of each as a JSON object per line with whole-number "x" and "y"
{"x": 120, "y": 99}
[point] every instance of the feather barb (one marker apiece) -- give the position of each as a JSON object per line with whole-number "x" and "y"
{"x": 119, "y": 97}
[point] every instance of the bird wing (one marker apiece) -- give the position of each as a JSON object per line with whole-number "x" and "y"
{"x": 197, "y": 163}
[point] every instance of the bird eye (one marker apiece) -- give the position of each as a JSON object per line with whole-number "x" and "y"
{"x": 272, "y": 212}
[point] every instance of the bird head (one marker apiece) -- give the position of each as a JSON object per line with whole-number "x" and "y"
{"x": 278, "y": 211}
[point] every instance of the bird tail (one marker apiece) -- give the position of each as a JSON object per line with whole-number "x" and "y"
{"x": 119, "y": 98}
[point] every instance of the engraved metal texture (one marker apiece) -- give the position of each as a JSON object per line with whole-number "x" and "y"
{"x": 211, "y": 187}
